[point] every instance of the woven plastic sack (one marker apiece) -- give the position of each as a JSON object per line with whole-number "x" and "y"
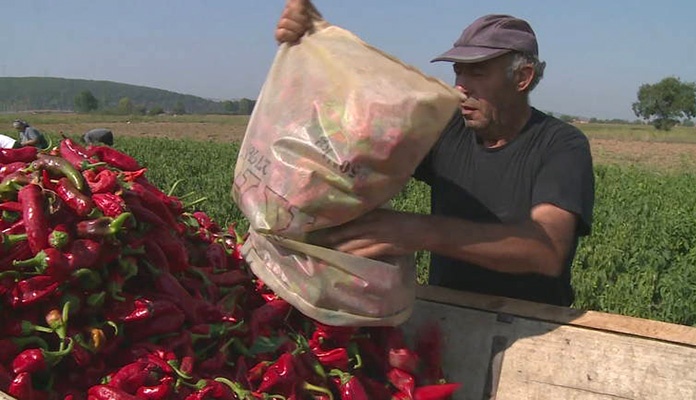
{"x": 338, "y": 129}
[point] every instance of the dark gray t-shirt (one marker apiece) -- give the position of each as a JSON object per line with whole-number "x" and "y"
{"x": 30, "y": 133}
{"x": 99, "y": 135}
{"x": 549, "y": 162}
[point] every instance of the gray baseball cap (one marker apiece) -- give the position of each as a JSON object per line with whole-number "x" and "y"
{"x": 491, "y": 36}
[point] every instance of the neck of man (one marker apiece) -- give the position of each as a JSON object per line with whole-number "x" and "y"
{"x": 507, "y": 128}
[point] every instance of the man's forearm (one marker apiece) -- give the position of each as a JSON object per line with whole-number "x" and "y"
{"x": 511, "y": 248}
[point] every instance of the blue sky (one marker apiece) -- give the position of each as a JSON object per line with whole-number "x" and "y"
{"x": 598, "y": 52}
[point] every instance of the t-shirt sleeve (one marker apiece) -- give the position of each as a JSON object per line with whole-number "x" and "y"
{"x": 566, "y": 179}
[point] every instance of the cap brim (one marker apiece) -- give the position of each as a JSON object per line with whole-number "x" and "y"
{"x": 470, "y": 54}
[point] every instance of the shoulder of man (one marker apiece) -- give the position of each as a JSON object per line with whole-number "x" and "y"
{"x": 556, "y": 131}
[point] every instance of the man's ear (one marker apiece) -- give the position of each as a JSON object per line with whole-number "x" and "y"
{"x": 525, "y": 76}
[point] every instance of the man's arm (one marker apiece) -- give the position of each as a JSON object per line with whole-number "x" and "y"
{"x": 540, "y": 245}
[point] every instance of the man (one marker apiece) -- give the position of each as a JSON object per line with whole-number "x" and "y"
{"x": 512, "y": 188}
{"x": 99, "y": 135}
{"x": 28, "y": 135}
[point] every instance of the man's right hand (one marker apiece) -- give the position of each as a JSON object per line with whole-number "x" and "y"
{"x": 295, "y": 20}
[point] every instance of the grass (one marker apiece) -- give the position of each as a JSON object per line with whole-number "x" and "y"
{"x": 643, "y": 133}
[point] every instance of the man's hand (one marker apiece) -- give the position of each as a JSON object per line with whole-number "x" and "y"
{"x": 376, "y": 234}
{"x": 295, "y": 20}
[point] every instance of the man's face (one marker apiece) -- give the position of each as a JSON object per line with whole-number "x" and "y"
{"x": 488, "y": 89}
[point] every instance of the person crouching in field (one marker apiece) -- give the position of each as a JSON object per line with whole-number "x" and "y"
{"x": 28, "y": 135}
{"x": 99, "y": 135}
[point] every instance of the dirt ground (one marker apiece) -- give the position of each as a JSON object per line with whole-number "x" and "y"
{"x": 662, "y": 155}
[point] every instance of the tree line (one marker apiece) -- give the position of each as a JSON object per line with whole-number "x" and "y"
{"x": 41, "y": 93}
{"x": 86, "y": 102}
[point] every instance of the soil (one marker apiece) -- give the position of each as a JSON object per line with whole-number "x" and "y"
{"x": 661, "y": 155}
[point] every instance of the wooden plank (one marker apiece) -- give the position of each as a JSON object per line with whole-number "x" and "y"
{"x": 674, "y": 333}
{"x": 498, "y": 355}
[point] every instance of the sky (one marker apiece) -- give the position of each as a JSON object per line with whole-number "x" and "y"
{"x": 598, "y": 52}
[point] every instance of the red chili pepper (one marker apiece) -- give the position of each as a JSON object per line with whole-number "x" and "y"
{"x": 109, "y": 204}
{"x": 205, "y": 221}
{"x": 327, "y": 336}
{"x": 402, "y": 381}
{"x": 216, "y": 257}
{"x": 269, "y": 315}
{"x": 7, "y": 169}
{"x": 280, "y": 376}
{"x": 24, "y": 154}
{"x": 134, "y": 375}
{"x": 212, "y": 390}
{"x": 114, "y": 157}
{"x": 75, "y": 199}
{"x": 104, "y": 392}
{"x": 256, "y": 373}
{"x": 21, "y": 386}
{"x": 81, "y": 355}
{"x": 8, "y": 241}
{"x": 35, "y": 360}
{"x": 8, "y": 280}
{"x": 33, "y": 290}
{"x": 59, "y": 167}
{"x": 230, "y": 278}
{"x": 161, "y": 391}
{"x": 152, "y": 199}
{"x": 141, "y": 213}
{"x": 334, "y": 358}
{"x": 166, "y": 318}
{"x": 374, "y": 388}
{"x": 59, "y": 236}
{"x": 32, "y": 199}
{"x": 196, "y": 310}
{"x": 403, "y": 359}
{"x": 349, "y": 386}
{"x": 103, "y": 182}
{"x": 49, "y": 261}
{"x": 436, "y": 392}
{"x": 130, "y": 310}
{"x": 11, "y": 347}
{"x": 173, "y": 248}
{"x": 83, "y": 253}
{"x": 131, "y": 176}
{"x": 73, "y": 152}
{"x": 102, "y": 227}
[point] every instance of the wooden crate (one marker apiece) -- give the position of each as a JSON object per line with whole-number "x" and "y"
{"x": 507, "y": 349}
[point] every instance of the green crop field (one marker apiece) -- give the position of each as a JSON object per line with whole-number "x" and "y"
{"x": 640, "y": 259}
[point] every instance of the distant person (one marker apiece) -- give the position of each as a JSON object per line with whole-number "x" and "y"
{"x": 99, "y": 135}
{"x": 28, "y": 135}
{"x": 7, "y": 142}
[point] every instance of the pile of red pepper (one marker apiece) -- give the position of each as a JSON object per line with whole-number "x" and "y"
{"x": 111, "y": 289}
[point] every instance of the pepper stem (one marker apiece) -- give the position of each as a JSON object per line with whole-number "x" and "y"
{"x": 314, "y": 388}
{"x": 7, "y": 241}
{"x": 116, "y": 225}
{"x": 38, "y": 262}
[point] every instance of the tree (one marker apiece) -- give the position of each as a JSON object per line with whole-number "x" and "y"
{"x": 666, "y": 102}
{"x": 246, "y": 106}
{"x": 85, "y": 102}
{"x": 179, "y": 108}
{"x": 156, "y": 110}
{"x": 230, "y": 106}
{"x": 125, "y": 106}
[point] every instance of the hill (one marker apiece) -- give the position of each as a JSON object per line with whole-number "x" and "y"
{"x": 39, "y": 93}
